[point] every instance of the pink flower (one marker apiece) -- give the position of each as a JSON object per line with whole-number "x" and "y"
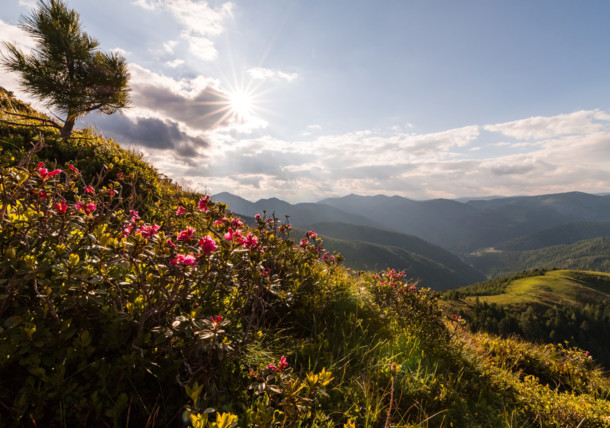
{"x": 232, "y": 234}
{"x": 207, "y": 244}
{"x": 111, "y": 192}
{"x": 74, "y": 169}
{"x": 311, "y": 234}
{"x": 304, "y": 242}
{"x": 257, "y": 216}
{"x": 170, "y": 244}
{"x": 45, "y": 173}
{"x": 180, "y": 210}
{"x": 127, "y": 230}
{"x": 88, "y": 209}
{"x": 148, "y": 231}
{"x": 42, "y": 195}
{"x": 220, "y": 222}
{"x": 40, "y": 164}
{"x": 216, "y": 321}
{"x": 250, "y": 241}
{"x": 61, "y": 207}
{"x": 283, "y": 364}
{"x": 89, "y": 189}
{"x": 183, "y": 260}
{"x": 187, "y": 234}
{"x": 203, "y": 204}
{"x": 280, "y": 366}
{"x": 236, "y": 223}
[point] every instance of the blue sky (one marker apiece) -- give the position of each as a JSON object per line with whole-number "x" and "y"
{"x": 421, "y": 99}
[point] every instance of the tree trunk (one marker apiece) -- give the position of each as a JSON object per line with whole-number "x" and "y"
{"x": 66, "y": 130}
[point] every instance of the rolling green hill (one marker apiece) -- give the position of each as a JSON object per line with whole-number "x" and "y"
{"x": 548, "y": 306}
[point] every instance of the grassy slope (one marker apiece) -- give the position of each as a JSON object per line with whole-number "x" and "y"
{"x": 558, "y": 287}
{"x": 396, "y": 360}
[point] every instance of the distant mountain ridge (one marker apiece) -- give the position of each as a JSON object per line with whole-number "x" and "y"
{"x": 299, "y": 214}
{"x": 460, "y": 227}
{"x": 507, "y": 225}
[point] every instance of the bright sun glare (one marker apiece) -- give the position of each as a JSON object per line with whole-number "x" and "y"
{"x": 241, "y": 104}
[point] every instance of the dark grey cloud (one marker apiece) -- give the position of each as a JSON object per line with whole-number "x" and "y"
{"x": 151, "y": 133}
{"x": 206, "y": 110}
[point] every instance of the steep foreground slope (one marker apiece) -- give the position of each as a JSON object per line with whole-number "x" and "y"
{"x": 178, "y": 314}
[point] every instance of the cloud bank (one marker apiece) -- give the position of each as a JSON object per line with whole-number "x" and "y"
{"x": 569, "y": 152}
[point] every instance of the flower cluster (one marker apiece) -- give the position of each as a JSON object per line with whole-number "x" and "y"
{"x": 147, "y": 231}
{"x": 184, "y": 260}
{"x": 281, "y": 365}
{"x": 45, "y": 173}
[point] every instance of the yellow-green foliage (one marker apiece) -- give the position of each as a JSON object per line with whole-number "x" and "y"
{"x": 552, "y": 385}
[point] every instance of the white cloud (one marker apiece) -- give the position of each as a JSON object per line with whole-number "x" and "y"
{"x": 9, "y": 80}
{"x": 200, "y": 22}
{"x": 260, "y": 73}
{"x": 170, "y": 46}
{"x": 175, "y": 63}
{"x": 28, "y": 3}
{"x": 119, "y": 51}
{"x": 419, "y": 166}
{"x": 579, "y": 122}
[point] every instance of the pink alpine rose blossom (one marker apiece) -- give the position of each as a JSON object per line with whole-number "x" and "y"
{"x": 148, "y": 231}
{"x": 280, "y": 366}
{"x": 233, "y": 234}
{"x": 89, "y": 189}
{"x": 45, "y": 173}
{"x": 184, "y": 260}
{"x": 171, "y": 244}
{"x": 61, "y": 207}
{"x": 207, "y": 244}
{"x": 180, "y": 210}
{"x": 250, "y": 241}
{"x": 187, "y": 234}
{"x": 216, "y": 321}
{"x": 203, "y": 204}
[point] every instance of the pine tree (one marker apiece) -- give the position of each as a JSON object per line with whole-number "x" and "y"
{"x": 66, "y": 70}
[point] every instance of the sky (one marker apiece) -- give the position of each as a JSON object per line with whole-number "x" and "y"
{"x": 308, "y": 99}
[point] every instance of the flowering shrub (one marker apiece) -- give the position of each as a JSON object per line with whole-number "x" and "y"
{"x": 77, "y": 267}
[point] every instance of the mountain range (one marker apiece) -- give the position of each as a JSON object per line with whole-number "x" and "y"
{"x": 471, "y": 239}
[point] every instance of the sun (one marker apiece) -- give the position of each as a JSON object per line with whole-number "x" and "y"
{"x": 241, "y": 104}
